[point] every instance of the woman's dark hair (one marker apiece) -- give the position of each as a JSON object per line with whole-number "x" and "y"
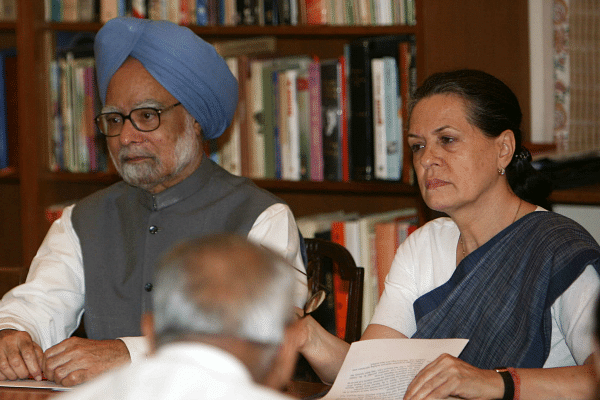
{"x": 493, "y": 108}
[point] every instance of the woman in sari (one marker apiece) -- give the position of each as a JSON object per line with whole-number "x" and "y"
{"x": 518, "y": 281}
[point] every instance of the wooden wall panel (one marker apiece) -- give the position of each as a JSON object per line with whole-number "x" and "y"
{"x": 488, "y": 35}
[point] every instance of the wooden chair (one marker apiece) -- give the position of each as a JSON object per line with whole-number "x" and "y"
{"x": 320, "y": 256}
{"x": 321, "y": 251}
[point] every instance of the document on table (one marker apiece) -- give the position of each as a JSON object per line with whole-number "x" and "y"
{"x": 383, "y": 368}
{"x": 33, "y": 384}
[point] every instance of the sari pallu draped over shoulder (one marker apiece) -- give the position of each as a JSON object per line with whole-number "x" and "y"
{"x": 499, "y": 296}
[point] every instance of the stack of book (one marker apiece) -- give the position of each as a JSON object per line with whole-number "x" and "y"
{"x": 372, "y": 240}
{"x": 237, "y": 12}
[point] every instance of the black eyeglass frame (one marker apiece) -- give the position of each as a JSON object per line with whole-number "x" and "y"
{"x": 128, "y": 117}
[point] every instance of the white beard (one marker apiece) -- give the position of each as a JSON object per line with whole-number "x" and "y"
{"x": 150, "y": 173}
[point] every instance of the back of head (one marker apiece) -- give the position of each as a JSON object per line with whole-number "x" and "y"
{"x": 493, "y": 108}
{"x": 222, "y": 285}
{"x": 184, "y": 64}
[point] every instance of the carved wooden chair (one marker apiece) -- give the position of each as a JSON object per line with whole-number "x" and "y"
{"x": 321, "y": 256}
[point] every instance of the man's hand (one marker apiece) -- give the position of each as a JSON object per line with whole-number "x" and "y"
{"x": 76, "y": 360}
{"x": 20, "y": 356}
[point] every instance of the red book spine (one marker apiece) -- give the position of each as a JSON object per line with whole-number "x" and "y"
{"x": 340, "y": 287}
{"x": 344, "y": 149}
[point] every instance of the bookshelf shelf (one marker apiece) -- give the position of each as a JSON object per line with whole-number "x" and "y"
{"x": 9, "y": 175}
{"x": 449, "y": 35}
{"x": 374, "y": 188}
{"x": 95, "y": 177}
{"x": 584, "y": 195}
{"x": 8, "y": 25}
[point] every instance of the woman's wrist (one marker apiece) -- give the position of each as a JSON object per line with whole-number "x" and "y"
{"x": 511, "y": 383}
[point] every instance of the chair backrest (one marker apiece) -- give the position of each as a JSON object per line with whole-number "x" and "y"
{"x": 319, "y": 252}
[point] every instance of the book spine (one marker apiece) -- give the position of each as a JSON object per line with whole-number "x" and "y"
{"x": 303, "y": 101}
{"x": 284, "y": 13}
{"x": 393, "y": 119}
{"x": 340, "y": 289}
{"x": 385, "y": 249}
{"x": 330, "y": 120}
{"x": 407, "y": 83}
{"x": 269, "y": 12}
{"x": 3, "y": 114}
{"x": 282, "y": 124}
{"x": 316, "y": 142}
{"x": 230, "y": 140}
{"x": 379, "y": 121}
{"x": 293, "y": 125}
{"x": 67, "y": 113}
{"x": 138, "y": 9}
{"x": 212, "y": 11}
{"x": 256, "y": 127}
{"x": 90, "y": 111}
{"x": 361, "y": 126}
{"x": 55, "y": 118}
{"x": 201, "y": 13}
{"x": 276, "y": 126}
{"x": 344, "y": 104}
{"x": 268, "y": 116}
{"x": 316, "y": 12}
{"x": 244, "y": 113}
{"x": 109, "y": 9}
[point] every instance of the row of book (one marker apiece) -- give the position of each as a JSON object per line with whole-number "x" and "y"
{"x": 372, "y": 240}
{"x": 238, "y": 12}
{"x": 301, "y": 118}
{"x": 298, "y": 117}
{"x": 75, "y": 144}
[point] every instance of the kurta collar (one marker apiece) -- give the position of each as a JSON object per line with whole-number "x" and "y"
{"x": 191, "y": 353}
{"x": 180, "y": 191}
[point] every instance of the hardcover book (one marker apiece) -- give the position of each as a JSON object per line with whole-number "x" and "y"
{"x": 330, "y": 119}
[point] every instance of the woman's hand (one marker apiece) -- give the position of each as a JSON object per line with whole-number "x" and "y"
{"x": 448, "y": 376}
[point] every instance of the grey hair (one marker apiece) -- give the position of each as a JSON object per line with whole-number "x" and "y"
{"x": 253, "y": 304}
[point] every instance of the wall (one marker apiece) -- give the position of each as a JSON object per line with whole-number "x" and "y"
{"x": 586, "y": 216}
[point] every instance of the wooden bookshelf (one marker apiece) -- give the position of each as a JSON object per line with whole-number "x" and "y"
{"x": 450, "y": 34}
{"x": 585, "y": 195}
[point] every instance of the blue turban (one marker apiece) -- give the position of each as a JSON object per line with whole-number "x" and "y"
{"x": 184, "y": 64}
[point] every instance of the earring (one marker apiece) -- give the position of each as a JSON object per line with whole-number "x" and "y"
{"x": 501, "y": 171}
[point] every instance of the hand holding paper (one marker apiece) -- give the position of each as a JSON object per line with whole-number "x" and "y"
{"x": 383, "y": 368}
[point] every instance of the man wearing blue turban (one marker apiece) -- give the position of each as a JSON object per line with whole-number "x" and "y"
{"x": 163, "y": 90}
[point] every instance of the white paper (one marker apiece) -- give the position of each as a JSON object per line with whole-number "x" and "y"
{"x": 383, "y": 368}
{"x": 33, "y": 384}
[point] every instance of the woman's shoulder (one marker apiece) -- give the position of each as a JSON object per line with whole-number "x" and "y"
{"x": 441, "y": 226}
{"x": 433, "y": 237}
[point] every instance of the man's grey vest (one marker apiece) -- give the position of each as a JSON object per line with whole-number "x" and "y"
{"x": 124, "y": 230}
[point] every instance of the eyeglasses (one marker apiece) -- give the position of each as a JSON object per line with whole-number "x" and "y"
{"x": 317, "y": 298}
{"x": 145, "y": 119}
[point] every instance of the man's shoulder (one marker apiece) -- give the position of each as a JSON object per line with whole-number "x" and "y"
{"x": 241, "y": 185}
{"x": 101, "y": 197}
